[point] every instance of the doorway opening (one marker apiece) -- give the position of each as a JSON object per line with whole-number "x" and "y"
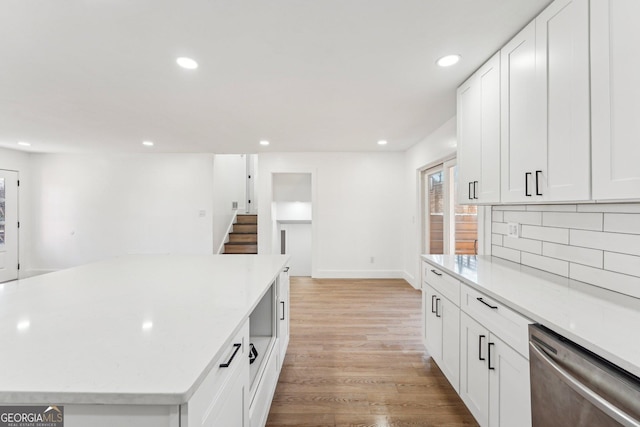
{"x": 293, "y": 217}
{"x": 448, "y": 226}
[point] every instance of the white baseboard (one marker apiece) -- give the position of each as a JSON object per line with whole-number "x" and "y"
{"x": 411, "y": 279}
{"x": 25, "y": 274}
{"x": 358, "y": 274}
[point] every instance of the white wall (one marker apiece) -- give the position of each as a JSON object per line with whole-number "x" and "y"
{"x": 90, "y": 207}
{"x": 20, "y": 161}
{"x": 293, "y": 211}
{"x": 229, "y": 185}
{"x": 291, "y": 187}
{"x": 357, "y": 210}
{"x": 437, "y": 146}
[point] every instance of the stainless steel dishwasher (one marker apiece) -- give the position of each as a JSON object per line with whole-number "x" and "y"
{"x": 571, "y": 386}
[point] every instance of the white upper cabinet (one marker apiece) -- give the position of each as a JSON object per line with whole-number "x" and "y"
{"x": 562, "y": 62}
{"x": 545, "y": 107}
{"x": 522, "y": 136}
{"x": 479, "y": 136}
{"x": 615, "y": 102}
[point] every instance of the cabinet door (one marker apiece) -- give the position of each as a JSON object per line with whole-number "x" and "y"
{"x": 562, "y": 61}
{"x": 474, "y": 375}
{"x": 433, "y": 323}
{"x": 509, "y": 397}
{"x": 488, "y": 188}
{"x": 615, "y": 66}
{"x": 468, "y": 119}
{"x": 450, "y": 360}
{"x": 283, "y": 313}
{"x": 230, "y": 409}
{"x": 522, "y": 134}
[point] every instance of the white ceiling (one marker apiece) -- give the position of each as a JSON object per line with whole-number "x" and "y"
{"x": 307, "y": 75}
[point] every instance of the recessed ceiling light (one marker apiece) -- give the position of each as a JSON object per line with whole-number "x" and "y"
{"x": 187, "y": 63}
{"x": 147, "y": 143}
{"x": 265, "y": 143}
{"x": 449, "y": 60}
{"x": 24, "y": 144}
{"x": 382, "y": 142}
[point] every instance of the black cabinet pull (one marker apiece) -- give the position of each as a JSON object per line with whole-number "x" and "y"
{"x": 480, "y": 347}
{"x": 253, "y": 354}
{"x": 286, "y": 269}
{"x": 495, "y": 307}
{"x": 526, "y": 184}
{"x": 433, "y": 297}
{"x": 470, "y": 183}
{"x": 475, "y": 190}
{"x": 436, "y": 273}
{"x": 538, "y": 193}
{"x": 489, "y": 353}
{"x": 226, "y": 365}
{"x": 437, "y": 301}
{"x": 282, "y": 302}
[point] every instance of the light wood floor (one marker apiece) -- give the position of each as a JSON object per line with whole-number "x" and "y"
{"x": 356, "y": 359}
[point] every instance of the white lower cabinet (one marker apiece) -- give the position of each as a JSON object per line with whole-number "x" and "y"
{"x": 442, "y": 329}
{"x": 222, "y": 398}
{"x": 494, "y": 378}
{"x": 237, "y": 393}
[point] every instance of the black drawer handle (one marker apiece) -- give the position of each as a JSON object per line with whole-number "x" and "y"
{"x": 253, "y": 354}
{"x": 437, "y": 301}
{"x": 282, "y": 302}
{"x": 538, "y": 193}
{"x": 489, "y": 352}
{"x": 436, "y": 273}
{"x": 526, "y": 184}
{"x": 480, "y": 347}
{"x": 286, "y": 269}
{"x": 470, "y": 184}
{"x": 495, "y": 307}
{"x": 475, "y": 190}
{"x": 433, "y": 297}
{"x": 226, "y": 365}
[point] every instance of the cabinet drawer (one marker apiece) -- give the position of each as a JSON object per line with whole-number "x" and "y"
{"x": 202, "y": 403}
{"x": 447, "y": 285}
{"x": 505, "y": 323}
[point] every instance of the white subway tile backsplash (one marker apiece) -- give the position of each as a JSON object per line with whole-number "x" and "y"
{"x": 613, "y": 242}
{"x": 622, "y": 263}
{"x": 526, "y": 245}
{"x": 546, "y": 234}
{"x": 552, "y": 208}
{"x": 551, "y": 265}
{"x": 505, "y": 253}
{"x": 532, "y": 218}
{"x": 499, "y": 228}
{"x": 583, "y": 221}
{"x": 593, "y": 243}
{"x": 622, "y": 283}
{"x": 610, "y": 207}
{"x": 591, "y": 257}
{"x": 622, "y": 223}
{"x": 510, "y": 208}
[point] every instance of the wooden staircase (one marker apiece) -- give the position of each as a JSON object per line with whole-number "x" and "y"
{"x": 243, "y": 238}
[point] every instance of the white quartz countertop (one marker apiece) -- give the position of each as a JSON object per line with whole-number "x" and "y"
{"x": 602, "y": 321}
{"x": 130, "y": 330}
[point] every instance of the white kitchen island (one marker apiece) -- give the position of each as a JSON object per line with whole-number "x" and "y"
{"x": 140, "y": 340}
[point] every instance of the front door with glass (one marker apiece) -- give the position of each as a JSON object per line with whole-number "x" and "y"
{"x": 8, "y": 225}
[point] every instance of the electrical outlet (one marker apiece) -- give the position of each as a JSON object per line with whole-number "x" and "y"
{"x": 513, "y": 229}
